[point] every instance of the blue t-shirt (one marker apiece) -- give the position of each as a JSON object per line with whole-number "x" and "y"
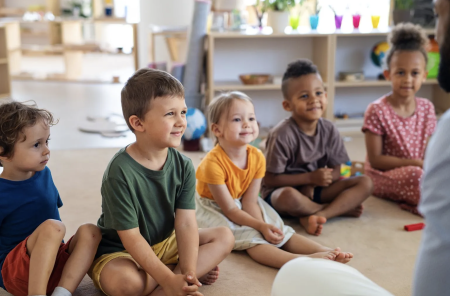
{"x": 24, "y": 205}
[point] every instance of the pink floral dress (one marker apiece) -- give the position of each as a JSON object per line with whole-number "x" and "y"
{"x": 404, "y": 138}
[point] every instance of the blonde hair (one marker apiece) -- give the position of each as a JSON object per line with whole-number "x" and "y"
{"x": 221, "y": 106}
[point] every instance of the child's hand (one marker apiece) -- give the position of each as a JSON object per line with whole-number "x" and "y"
{"x": 272, "y": 234}
{"x": 322, "y": 177}
{"x": 191, "y": 278}
{"x": 176, "y": 285}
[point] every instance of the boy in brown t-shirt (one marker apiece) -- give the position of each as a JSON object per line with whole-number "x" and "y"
{"x": 304, "y": 154}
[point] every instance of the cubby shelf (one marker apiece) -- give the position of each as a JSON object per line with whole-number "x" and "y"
{"x": 231, "y": 54}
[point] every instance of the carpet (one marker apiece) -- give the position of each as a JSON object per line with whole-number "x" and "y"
{"x": 383, "y": 251}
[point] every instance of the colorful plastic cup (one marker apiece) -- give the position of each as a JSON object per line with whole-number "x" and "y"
{"x": 356, "y": 20}
{"x": 314, "y": 21}
{"x": 294, "y": 21}
{"x": 338, "y": 21}
{"x": 375, "y": 21}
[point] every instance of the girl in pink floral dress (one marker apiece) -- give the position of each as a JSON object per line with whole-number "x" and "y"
{"x": 398, "y": 125}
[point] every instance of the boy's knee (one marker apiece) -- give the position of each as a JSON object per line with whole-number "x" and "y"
{"x": 129, "y": 284}
{"x": 52, "y": 229}
{"x": 287, "y": 197}
{"x": 90, "y": 232}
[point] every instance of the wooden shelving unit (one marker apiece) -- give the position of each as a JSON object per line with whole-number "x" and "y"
{"x": 233, "y": 53}
{"x": 65, "y": 37}
{"x": 5, "y": 80}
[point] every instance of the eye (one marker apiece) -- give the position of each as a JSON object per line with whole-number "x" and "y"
{"x": 415, "y": 73}
{"x": 183, "y": 112}
{"x": 319, "y": 93}
{"x": 236, "y": 119}
{"x": 252, "y": 118}
{"x": 36, "y": 145}
{"x": 169, "y": 114}
{"x": 305, "y": 96}
{"x": 46, "y": 142}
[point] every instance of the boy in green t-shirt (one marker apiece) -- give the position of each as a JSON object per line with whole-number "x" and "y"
{"x": 148, "y": 191}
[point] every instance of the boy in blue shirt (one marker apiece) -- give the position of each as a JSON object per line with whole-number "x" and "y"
{"x": 33, "y": 258}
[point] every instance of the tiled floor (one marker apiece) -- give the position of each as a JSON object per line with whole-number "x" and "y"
{"x": 71, "y": 103}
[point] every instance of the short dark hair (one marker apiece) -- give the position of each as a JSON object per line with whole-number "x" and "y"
{"x": 144, "y": 86}
{"x": 407, "y": 37}
{"x": 297, "y": 69}
{"x": 14, "y": 117}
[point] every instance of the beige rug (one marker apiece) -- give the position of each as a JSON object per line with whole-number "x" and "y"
{"x": 383, "y": 251}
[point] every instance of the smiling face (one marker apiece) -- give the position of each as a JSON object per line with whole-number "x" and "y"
{"x": 31, "y": 152}
{"x": 306, "y": 98}
{"x": 238, "y": 126}
{"x": 164, "y": 123}
{"x": 407, "y": 72}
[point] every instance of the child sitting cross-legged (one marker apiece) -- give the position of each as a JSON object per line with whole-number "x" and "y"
{"x": 304, "y": 154}
{"x": 229, "y": 180}
{"x": 151, "y": 244}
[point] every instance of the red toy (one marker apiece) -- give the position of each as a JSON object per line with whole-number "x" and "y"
{"x": 412, "y": 227}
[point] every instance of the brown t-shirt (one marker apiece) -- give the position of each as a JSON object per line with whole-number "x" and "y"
{"x": 290, "y": 151}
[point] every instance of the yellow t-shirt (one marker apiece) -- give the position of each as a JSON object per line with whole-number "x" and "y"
{"x": 217, "y": 168}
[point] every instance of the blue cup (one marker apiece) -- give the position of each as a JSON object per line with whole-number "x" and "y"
{"x": 314, "y": 21}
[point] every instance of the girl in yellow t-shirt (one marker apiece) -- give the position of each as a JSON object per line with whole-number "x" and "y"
{"x": 229, "y": 180}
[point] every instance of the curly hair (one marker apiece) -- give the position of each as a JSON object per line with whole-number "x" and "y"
{"x": 297, "y": 69}
{"x": 407, "y": 37}
{"x": 14, "y": 117}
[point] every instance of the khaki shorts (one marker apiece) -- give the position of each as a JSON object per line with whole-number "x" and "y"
{"x": 166, "y": 251}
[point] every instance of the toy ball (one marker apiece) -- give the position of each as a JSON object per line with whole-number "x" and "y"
{"x": 379, "y": 53}
{"x": 196, "y": 124}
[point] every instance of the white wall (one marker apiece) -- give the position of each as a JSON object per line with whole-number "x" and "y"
{"x": 161, "y": 13}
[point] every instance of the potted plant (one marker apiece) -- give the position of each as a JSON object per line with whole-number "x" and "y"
{"x": 403, "y": 10}
{"x": 277, "y": 12}
{"x": 314, "y": 17}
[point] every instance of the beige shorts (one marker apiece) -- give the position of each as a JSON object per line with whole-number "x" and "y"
{"x": 166, "y": 251}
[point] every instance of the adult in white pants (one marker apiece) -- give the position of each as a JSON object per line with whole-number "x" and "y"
{"x": 318, "y": 277}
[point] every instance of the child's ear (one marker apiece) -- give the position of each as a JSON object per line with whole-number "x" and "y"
{"x": 136, "y": 123}
{"x": 216, "y": 130}
{"x": 3, "y": 159}
{"x": 425, "y": 76}
{"x": 287, "y": 105}
{"x": 387, "y": 74}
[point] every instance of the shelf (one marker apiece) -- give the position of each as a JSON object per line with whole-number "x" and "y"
{"x": 375, "y": 83}
{"x": 236, "y": 85}
{"x": 4, "y": 96}
{"x": 3, "y": 61}
{"x": 304, "y": 32}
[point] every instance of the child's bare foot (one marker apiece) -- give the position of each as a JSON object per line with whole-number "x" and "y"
{"x": 211, "y": 277}
{"x": 330, "y": 255}
{"x": 356, "y": 212}
{"x": 343, "y": 257}
{"x": 313, "y": 224}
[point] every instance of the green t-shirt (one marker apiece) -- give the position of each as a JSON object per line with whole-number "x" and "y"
{"x": 134, "y": 196}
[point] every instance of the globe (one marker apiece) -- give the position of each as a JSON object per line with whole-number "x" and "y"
{"x": 196, "y": 124}
{"x": 379, "y": 53}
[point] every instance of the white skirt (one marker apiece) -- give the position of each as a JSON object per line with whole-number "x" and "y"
{"x": 209, "y": 214}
